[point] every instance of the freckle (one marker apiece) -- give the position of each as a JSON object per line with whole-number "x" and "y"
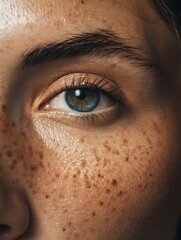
{"x": 120, "y": 194}
{"x": 108, "y": 191}
{"x": 34, "y": 168}
{"x": 76, "y": 235}
{"x": 114, "y": 182}
{"x": 117, "y": 152}
{"x": 113, "y": 65}
{"x": 4, "y": 108}
{"x": 101, "y": 203}
{"x": 82, "y": 140}
{"x": 69, "y": 224}
{"x": 57, "y": 175}
{"x": 66, "y": 176}
{"x": 13, "y": 125}
{"x": 60, "y": 196}
{"x": 41, "y": 155}
{"x": 87, "y": 183}
{"x": 83, "y": 163}
{"x": 65, "y": 211}
{"x": 127, "y": 159}
{"x": 63, "y": 229}
{"x": 100, "y": 176}
{"x": 113, "y": 210}
{"x": 95, "y": 154}
{"x": 93, "y": 214}
{"x": 97, "y": 158}
{"x": 30, "y": 149}
{"x": 74, "y": 177}
{"x": 139, "y": 147}
{"x": 148, "y": 140}
{"x": 34, "y": 192}
{"x": 107, "y": 147}
{"x": 53, "y": 179}
{"x": 9, "y": 153}
{"x": 125, "y": 142}
{"x": 41, "y": 164}
{"x": 47, "y": 196}
{"x": 151, "y": 175}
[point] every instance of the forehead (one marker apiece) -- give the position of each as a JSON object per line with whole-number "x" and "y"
{"x": 37, "y": 15}
{"x": 24, "y": 24}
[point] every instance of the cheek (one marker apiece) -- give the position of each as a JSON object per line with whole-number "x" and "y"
{"x": 100, "y": 177}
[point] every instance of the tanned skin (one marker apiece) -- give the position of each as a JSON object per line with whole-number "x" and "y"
{"x": 113, "y": 173}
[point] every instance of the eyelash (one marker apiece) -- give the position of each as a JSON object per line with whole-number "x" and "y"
{"x": 100, "y": 84}
{"x": 96, "y": 84}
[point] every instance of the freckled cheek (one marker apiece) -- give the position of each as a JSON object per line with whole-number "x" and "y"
{"x": 96, "y": 177}
{"x": 19, "y": 158}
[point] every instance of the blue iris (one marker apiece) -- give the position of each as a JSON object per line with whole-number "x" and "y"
{"x": 82, "y": 100}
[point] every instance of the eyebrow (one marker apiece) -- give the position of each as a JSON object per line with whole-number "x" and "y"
{"x": 100, "y": 43}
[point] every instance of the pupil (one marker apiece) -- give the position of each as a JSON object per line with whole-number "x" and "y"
{"x": 81, "y": 94}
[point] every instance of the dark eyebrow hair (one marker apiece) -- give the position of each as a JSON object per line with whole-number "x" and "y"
{"x": 100, "y": 43}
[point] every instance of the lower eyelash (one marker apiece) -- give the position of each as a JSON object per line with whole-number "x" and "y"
{"x": 101, "y": 118}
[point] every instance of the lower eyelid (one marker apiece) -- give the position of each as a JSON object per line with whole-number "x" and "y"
{"x": 78, "y": 120}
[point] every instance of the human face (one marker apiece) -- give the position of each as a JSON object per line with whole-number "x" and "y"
{"x": 101, "y": 161}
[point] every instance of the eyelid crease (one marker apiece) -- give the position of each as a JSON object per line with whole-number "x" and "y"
{"x": 82, "y": 80}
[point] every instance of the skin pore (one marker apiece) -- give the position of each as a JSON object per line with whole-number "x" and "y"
{"x": 110, "y": 174}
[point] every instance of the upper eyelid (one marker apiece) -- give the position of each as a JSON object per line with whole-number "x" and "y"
{"x": 112, "y": 91}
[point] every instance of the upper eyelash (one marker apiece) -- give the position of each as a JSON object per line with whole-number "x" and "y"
{"x": 98, "y": 83}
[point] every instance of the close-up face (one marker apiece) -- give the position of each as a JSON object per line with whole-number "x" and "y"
{"x": 90, "y": 121}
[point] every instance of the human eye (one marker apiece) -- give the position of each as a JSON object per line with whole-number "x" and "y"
{"x": 82, "y": 98}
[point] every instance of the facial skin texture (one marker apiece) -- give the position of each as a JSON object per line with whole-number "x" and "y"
{"x": 62, "y": 179}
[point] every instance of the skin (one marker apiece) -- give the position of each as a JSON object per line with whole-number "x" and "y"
{"x": 65, "y": 180}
